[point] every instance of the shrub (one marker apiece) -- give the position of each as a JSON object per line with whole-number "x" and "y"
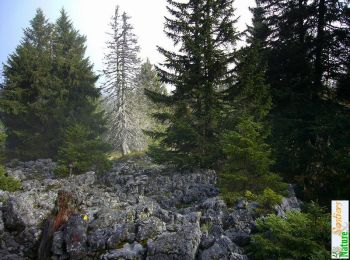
{"x": 8, "y": 183}
{"x": 267, "y": 200}
{"x": 298, "y": 236}
{"x": 81, "y": 152}
{"x": 247, "y": 164}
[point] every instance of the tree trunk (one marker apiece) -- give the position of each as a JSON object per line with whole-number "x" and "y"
{"x": 319, "y": 62}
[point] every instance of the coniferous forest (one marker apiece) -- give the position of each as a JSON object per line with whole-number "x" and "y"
{"x": 268, "y": 115}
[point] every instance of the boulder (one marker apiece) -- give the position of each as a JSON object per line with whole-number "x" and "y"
{"x": 288, "y": 203}
{"x": 239, "y": 237}
{"x": 121, "y": 234}
{"x": 222, "y": 249}
{"x": 134, "y": 251}
{"x": 182, "y": 244}
{"x": 97, "y": 240}
{"x": 149, "y": 228}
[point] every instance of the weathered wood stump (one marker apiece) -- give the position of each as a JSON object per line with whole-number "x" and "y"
{"x": 66, "y": 206}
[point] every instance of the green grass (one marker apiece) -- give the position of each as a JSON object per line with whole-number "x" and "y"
{"x": 118, "y": 156}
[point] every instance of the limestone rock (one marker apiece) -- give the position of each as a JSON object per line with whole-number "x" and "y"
{"x": 134, "y": 251}
{"x": 182, "y": 244}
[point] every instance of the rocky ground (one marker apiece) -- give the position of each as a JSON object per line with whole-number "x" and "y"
{"x": 136, "y": 211}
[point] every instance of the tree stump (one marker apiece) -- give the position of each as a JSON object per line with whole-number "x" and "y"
{"x": 66, "y": 206}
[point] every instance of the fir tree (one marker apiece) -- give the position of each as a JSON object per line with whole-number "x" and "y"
{"x": 205, "y": 34}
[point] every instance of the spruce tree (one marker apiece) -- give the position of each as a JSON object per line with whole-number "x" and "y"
{"x": 49, "y": 85}
{"x": 25, "y": 92}
{"x": 247, "y": 155}
{"x": 122, "y": 68}
{"x": 79, "y": 123}
{"x": 75, "y": 96}
{"x": 205, "y": 36}
{"x": 148, "y": 80}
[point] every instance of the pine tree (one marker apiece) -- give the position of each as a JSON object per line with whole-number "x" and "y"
{"x": 24, "y": 94}
{"x": 201, "y": 68}
{"x": 122, "y": 66}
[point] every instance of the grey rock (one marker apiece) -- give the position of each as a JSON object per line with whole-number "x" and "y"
{"x": 132, "y": 251}
{"x": 15, "y": 215}
{"x": 207, "y": 241}
{"x": 289, "y": 203}
{"x": 222, "y": 249}
{"x": 149, "y": 228}
{"x": 86, "y": 179}
{"x": 16, "y": 174}
{"x": 27, "y": 209}
{"x": 241, "y": 220}
{"x": 177, "y": 214}
{"x": 239, "y": 237}
{"x": 193, "y": 217}
{"x": 4, "y": 196}
{"x": 97, "y": 240}
{"x": 1, "y": 223}
{"x": 122, "y": 233}
{"x": 6, "y": 256}
{"x": 236, "y": 256}
{"x": 39, "y": 169}
{"x": 182, "y": 244}
{"x": 216, "y": 231}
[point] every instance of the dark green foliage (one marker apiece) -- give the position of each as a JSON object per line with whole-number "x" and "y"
{"x": 82, "y": 151}
{"x": 306, "y": 47}
{"x": 75, "y": 96}
{"x": 26, "y": 78}
{"x": 298, "y": 236}
{"x": 48, "y": 85}
{"x": 247, "y": 157}
{"x": 205, "y": 33}
{"x": 248, "y": 162}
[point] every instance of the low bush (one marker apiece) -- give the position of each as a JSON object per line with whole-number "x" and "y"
{"x": 301, "y": 235}
{"x": 8, "y": 183}
{"x": 81, "y": 152}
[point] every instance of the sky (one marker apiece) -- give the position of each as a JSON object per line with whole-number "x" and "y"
{"x": 92, "y": 18}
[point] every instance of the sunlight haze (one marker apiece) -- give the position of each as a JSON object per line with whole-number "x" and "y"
{"x": 92, "y": 19}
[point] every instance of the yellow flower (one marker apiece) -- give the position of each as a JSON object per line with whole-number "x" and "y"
{"x": 85, "y": 217}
